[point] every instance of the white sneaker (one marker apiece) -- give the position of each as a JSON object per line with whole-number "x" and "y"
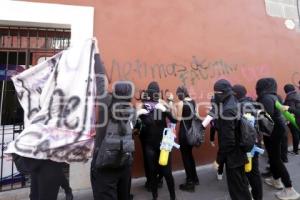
{"x": 287, "y": 194}
{"x": 219, "y": 177}
{"x": 274, "y": 183}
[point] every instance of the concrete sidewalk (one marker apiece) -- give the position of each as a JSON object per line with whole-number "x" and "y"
{"x": 209, "y": 188}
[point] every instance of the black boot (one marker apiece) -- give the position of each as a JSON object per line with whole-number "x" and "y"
{"x": 154, "y": 195}
{"x": 196, "y": 181}
{"x": 69, "y": 195}
{"x": 172, "y": 195}
{"x": 188, "y": 186}
{"x": 160, "y": 183}
{"x": 147, "y": 186}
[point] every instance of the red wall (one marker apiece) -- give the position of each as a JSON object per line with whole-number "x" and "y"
{"x": 194, "y": 42}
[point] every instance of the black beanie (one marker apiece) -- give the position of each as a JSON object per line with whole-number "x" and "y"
{"x": 289, "y": 88}
{"x": 153, "y": 91}
{"x": 225, "y": 88}
{"x": 239, "y": 90}
{"x": 123, "y": 90}
{"x": 222, "y": 85}
{"x": 266, "y": 86}
{"x": 182, "y": 90}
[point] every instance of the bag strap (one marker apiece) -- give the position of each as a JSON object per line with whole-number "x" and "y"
{"x": 184, "y": 125}
{"x": 192, "y": 110}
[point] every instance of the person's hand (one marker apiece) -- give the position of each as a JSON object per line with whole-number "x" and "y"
{"x": 164, "y": 103}
{"x": 212, "y": 144}
{"x": 141, "y": 112}
{"x": 96, "y": 45}
{"x": 136, "y": 131}
{"x": 285, "y": 108}
{"x": 161, "y": 107}
{"x": 170, "y": 97}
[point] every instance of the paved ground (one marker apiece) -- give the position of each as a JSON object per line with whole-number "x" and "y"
{"x": 209, "y": 188}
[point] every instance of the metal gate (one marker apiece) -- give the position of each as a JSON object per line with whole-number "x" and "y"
{"x": 20, "y": 48}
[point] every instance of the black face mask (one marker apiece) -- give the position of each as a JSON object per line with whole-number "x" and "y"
{"x": 220, "y": 97}
{"x": 180, "y": 96}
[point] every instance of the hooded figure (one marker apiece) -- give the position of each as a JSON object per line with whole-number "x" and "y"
{"x": 254, "y": 178}
{"x": 293, "y": 97}
{"x": 186, "y": 108}
{"x": 223, "y": 89}
{"x": 154, "y": 121}
{"x": 293, "y": 101}
{"x": 246, "y": 103}
{"x": 240, "y": 92}
{"x": 229, "y": 152}
{"x": 153, "y": 91}
{"x": 266, "y": 89}
{"x": 113, "y": 183}
{"x": 266, "y": 86}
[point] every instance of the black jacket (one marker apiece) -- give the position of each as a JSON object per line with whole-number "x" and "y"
{"x": 229, "y": 150}
{"x": 153, "y": 125}
{"x": 247, "y": 104}
{"x": 293, "y": 100}
{"x": 267, "y": 96}
{"x": 296, "y": 112}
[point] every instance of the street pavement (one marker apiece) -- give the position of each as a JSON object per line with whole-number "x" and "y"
{"x": 209, "y": 189}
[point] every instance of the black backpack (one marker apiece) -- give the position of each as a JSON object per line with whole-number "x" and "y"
{"x": 264, "y": 123}
{"x": 247, "y": 131}
{"x": 195, "y": 135}
{"x": 116, "y": 149}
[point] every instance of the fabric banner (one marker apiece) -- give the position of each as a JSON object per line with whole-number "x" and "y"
{"x": 58, "y": 101}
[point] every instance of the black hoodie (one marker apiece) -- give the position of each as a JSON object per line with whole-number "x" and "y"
{"x": 229, "y": 150}
{"x": 296, "y": 112}
{"x": 266, "y": 90}
{"x": 293, "y": 99}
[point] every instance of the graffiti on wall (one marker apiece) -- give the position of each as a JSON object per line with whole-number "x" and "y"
{"x": 197, "y": 69}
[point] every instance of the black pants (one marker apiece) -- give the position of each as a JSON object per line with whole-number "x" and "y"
{"x": 277, "y": 167}
{"x": 220, "y": 168}
{"x": 46, "y": 180}
{"x": 66, "y": 185}
{"x": 295, "y": 134}
{"x": 146, "y": 168}
{"x": 237, "y": 183}
{"x": 254, "y": 179}
{"x": 188, "y": 160}
{"x": 111, "y": 184}
{"x": 284, "y": 147}
{"x": 152, "y": 157}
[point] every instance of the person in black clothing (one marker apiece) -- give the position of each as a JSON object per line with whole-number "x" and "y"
{"x": 112, "y": 183}
{"x": 229, "y": 151}
{"x": 293, "y": 101}
{"x": 46, "y": 178}
{"x": 266, "y": 89}
{"x": 139, "y": 128}
{"x": 284, "y": 142}
{"x": 154, "y": 120}
{"x": 185, "y": 110}
{"x": 212, "y": 131}
{"x": 67, "y": 188}
{"x": 254, "y": 178}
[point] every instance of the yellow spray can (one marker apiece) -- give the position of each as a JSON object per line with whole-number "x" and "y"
{"x": 248, "y": 166}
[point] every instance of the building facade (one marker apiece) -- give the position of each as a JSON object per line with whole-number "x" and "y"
{"x": 193, "y": 42}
